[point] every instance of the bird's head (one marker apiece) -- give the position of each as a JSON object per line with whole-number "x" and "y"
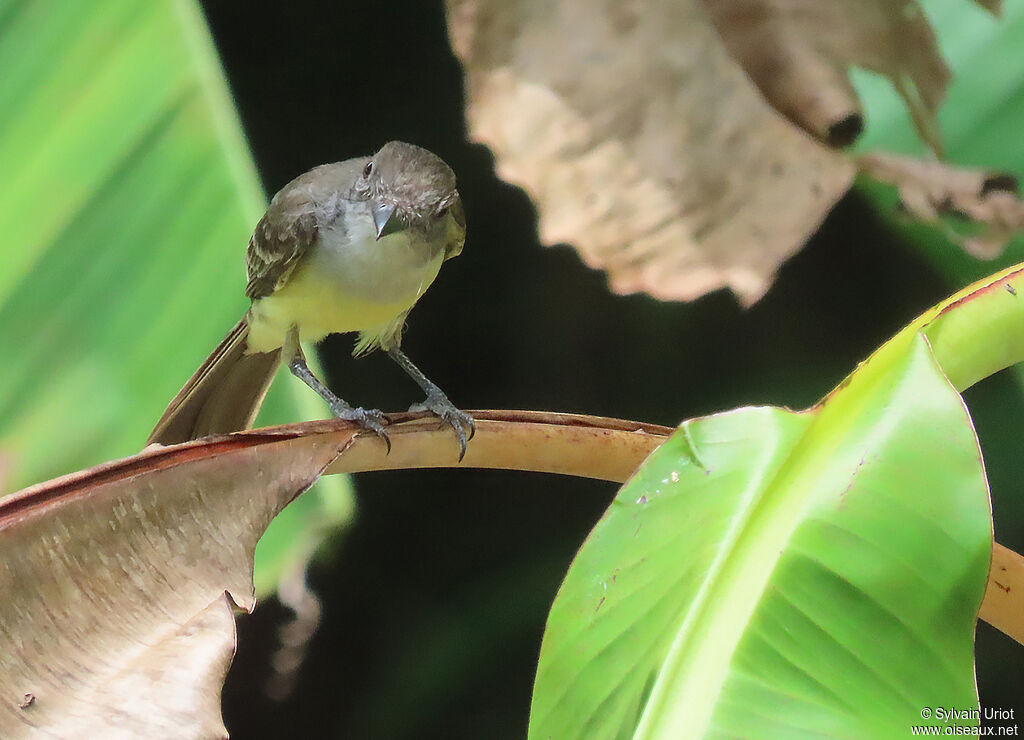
{"x": 411, "y": 188}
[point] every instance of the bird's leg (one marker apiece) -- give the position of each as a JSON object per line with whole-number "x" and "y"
{"x": 436, "y": 401}
{"x": 371, "y": 419}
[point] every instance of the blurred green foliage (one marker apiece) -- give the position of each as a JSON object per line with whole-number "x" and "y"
{"x": 980, "y": 121}
{"x": 128, "y": 197}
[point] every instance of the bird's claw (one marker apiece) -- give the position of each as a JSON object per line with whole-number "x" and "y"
{"x": 369, "y": 419}
{"x": 460, "y": 422}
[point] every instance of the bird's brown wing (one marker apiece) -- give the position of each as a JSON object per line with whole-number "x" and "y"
{"x": 289, "y": 229}
{"x": 279, "y": 241}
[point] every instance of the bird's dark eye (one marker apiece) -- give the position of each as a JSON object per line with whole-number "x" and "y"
{"x": 367, "y": 169}
{"x": 442, "y": 213}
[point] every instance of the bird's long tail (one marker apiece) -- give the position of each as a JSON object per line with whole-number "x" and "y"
{"x": 223, "y": 395}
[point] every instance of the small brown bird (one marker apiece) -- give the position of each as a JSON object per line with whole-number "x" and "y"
{"x": 349, "y": 246}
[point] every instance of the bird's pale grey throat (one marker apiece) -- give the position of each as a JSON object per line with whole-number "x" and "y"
{"x": 345, "y": 247}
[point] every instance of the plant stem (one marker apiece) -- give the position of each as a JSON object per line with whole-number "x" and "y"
{"x": 979, "y": 330}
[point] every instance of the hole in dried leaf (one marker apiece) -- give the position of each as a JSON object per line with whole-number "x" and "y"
{"x": 845, "y": 131}
{"x": 999, "y": 181}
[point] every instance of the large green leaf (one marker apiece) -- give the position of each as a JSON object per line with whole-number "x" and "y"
{"x": 772, "y": 574}
{"x": 127, "y": 199}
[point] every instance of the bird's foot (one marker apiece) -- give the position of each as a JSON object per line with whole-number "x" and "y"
{"x": 370, "y": 419}
{"x": 460, "y": 422}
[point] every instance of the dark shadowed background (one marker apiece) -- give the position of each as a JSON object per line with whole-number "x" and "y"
{"x": 434, "y": 600}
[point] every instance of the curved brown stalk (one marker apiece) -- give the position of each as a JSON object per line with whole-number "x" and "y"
{"x": 568, "y": 444}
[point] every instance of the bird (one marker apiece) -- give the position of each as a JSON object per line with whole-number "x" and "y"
{"x": 345, "y": 247}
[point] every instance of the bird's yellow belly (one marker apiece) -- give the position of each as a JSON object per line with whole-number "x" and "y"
{"x": 313, "y": 302}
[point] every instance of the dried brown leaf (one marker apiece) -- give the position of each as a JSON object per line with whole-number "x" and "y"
{"x": 799, "y": 53}
{"x": 643, "y": 143}
{"x": 115, "y": 616}
{"x": 930, "y": 189}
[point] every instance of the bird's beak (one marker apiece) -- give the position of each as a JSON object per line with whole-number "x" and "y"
{"x": 384, "y": 219}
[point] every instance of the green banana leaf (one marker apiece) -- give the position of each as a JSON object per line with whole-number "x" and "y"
{"x": 126, "y": 204}
{"x": 773, "y": 574}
